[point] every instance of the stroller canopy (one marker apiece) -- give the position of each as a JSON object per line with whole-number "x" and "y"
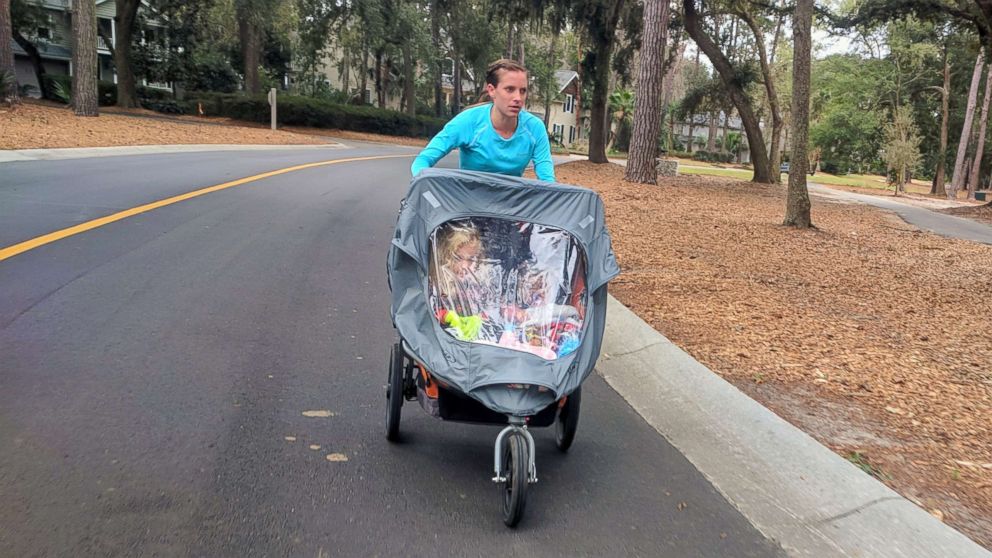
{"x": 511, "y": 370}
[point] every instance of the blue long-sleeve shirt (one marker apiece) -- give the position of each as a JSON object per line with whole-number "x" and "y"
{"x": 483, "y": 149}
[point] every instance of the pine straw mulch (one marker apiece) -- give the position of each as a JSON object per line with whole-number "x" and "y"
{"x": 867, "y": 334}
{"x": 33, "y": 125}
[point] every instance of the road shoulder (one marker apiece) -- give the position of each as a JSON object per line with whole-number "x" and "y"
{"x": 794, "y": 490}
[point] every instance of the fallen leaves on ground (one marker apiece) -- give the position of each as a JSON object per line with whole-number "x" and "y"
{"x": 866, "y": 333}
{"x": 34, "y": 125}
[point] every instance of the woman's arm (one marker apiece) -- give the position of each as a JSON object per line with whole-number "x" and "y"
{"x": 544, "y": 167}
{"x": 442, "y": 144}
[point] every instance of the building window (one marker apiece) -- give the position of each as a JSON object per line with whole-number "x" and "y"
{"x": 557, "y": 131}
{"x": 368, "y": 97}
{"x": 569, "y": 103}
{"x": 45, "y": 33}
{"x": 571, "y": 134}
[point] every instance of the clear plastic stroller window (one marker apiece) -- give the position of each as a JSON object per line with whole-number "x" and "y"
{"x": 508, "y": 283}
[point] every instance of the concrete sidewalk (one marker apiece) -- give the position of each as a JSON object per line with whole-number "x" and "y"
{"x": 914, "y": 214}
{"x": 13, "y": 155}
{"x": 794, "y": 490}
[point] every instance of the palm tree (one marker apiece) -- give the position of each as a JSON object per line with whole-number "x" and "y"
{"x": 732, "y": 144}
{"x": 622, "y": 109}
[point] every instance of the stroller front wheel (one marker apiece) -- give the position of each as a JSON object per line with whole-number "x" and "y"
{"x": 394, "y": 393}
{"x": 567, "y": 420}
{"x": 516, "y": 462}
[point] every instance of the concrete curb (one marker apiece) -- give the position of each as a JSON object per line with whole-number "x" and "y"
{"x": 12, "y": 155}
{"x": 794, "y": 490}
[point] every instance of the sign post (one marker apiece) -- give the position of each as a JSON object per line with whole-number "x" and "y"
{"x": 272, "y": 103}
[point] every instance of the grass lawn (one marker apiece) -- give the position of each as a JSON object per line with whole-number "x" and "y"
{"x": 856, "y": 180}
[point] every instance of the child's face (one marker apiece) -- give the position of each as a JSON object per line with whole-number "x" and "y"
{"x": 466, "y": 258}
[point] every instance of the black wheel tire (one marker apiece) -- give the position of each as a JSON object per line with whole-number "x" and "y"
{"x": 567, "y": 421}
{"x": 394, "y": 393}
{"x": 514, "y": 491}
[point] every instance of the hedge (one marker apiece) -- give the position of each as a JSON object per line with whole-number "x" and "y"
{"x": 107, "y": 90}
{"x": 713, "y": 157}
{"x": 314, "y": 113}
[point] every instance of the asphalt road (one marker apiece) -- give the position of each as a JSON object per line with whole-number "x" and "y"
{"x": 155, "y": 373}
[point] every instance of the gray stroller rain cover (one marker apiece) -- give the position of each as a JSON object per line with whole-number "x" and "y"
{"x": 499, "y": 285}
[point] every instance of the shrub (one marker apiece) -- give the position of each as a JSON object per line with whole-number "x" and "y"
{"x": 153, "y": 94}
{"x": 316, "y": 113}
{"x": 60, "y": 87}
{"x": 8, "y": 84}
{"x": 832, "y": 167}
{"x": 167, "y": 106}
{"x": 713, "y": 156}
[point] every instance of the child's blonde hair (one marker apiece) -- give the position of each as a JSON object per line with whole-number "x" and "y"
{"x": 447, "y": 241}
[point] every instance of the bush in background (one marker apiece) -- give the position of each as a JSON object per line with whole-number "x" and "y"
{"x": 61, "y": 86}
{"x": 713, "y": 156}
{"x": 315, "y": 113}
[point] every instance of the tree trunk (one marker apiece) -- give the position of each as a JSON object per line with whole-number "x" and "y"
{"x": 250, "y": 53}
{"x": 509, "y": 41}
{"x": 85, "y": 100}
{"x": 578, "y": 91}
{"x": 36, "y": 62}
{"x": 775, "y": 39}
{"x": 548, "y": 97}
{"x": 6, "y": 52}
{"x": 797, "y": 206}
{"x": 456, "y": 78}
{"x": 945, "y": 95}
{"x": 755, "y": 139}
{"x": 774, "y": 155}
{"x": 380, "y": 93}
{"x": 711, "y": 132}
{"x": 647, "y": 99}
{"x": 599, "y": 127}
{"x": 976, "y": 165}
{"x": 409, "y": 90}
{"x": 692, "y": 132}
{"x": 364, "y": 82}
{"x": 726, "y": 128}
{"x": 456, "y": 81}
{"x": 436, "y": 41}
{"x": 127, "y": 15}
{"x": 346, "y": 73}
{"x": 958, "y": 177}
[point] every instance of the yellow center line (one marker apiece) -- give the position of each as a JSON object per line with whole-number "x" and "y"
{"x": 11, "y": 251}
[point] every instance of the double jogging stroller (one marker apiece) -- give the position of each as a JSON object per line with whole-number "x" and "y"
{"x": 499, "y": 297}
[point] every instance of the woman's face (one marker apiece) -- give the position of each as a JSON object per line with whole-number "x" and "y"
{"x": 465, "y": 260}
{"x": 511, "y": 93}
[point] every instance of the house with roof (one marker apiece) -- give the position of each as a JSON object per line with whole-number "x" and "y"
{"x": 52, "y": 38}
{"x": 693, "y": 134}
{"x": 564, "y": 123}
{"x": 337, "y": 74}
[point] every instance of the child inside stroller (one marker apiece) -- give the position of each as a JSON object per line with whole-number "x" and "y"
{"x": 499, "y": 297}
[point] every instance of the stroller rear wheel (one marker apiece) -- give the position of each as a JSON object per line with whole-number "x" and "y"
{"x": 516, "y": 461}
{"x": 568, "y": 420}
{"x": 394, "y": 393}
